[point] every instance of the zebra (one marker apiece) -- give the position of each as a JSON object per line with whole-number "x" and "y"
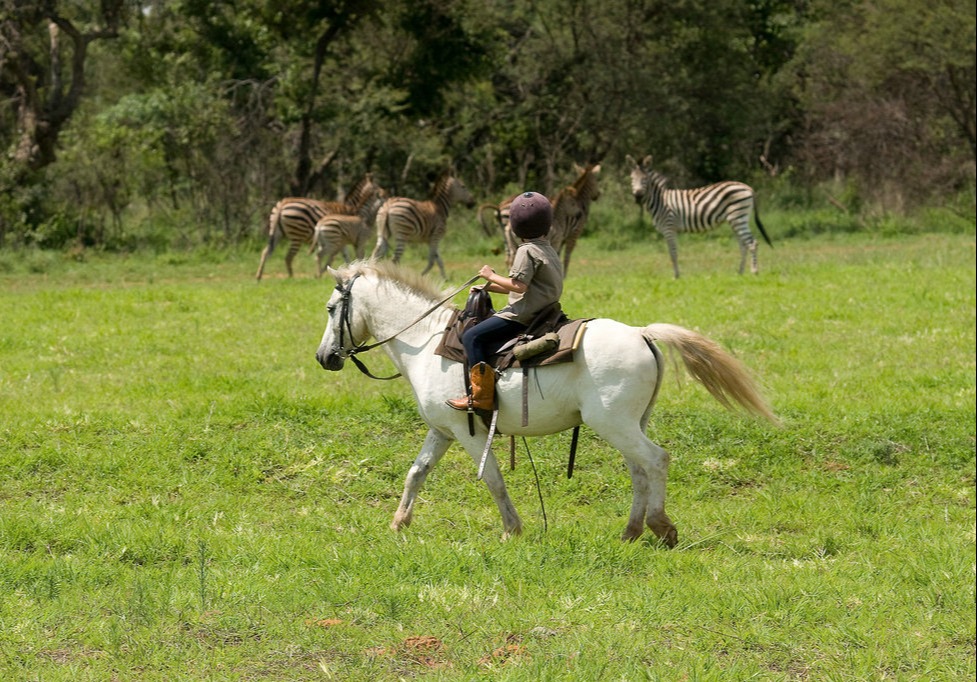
{"x": 571, "y": 206}
{"x": 295, "y": 218}
{"x": 408, "y": 220}
{"x": 697, "y": 210}
{"x": 335, "y": 231}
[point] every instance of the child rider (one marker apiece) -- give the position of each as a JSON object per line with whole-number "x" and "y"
{"x": 535, "y": 281}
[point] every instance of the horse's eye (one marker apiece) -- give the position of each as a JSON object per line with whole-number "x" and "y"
{"x": 331, "y": 308}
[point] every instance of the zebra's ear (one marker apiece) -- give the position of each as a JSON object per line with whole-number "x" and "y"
{"x": 646, "y": 163}
{"x": 630, "y": 160}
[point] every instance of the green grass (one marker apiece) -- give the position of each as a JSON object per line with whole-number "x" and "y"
{"x": 185, "y": 494}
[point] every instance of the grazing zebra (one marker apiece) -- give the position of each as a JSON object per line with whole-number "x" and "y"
{"x": 696, "y": 210}
{"x": 570, "y": 210}
{"x": 408, "y": 220}
{"x": 295, "y": 218}
{"x": 335, "y": 231}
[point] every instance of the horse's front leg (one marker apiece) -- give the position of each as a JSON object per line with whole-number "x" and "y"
{"x": 435, "y": 445}
{"x": 511, "y": 523}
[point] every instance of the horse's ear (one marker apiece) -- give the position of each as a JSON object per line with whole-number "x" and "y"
{"x": 335, "y": 274}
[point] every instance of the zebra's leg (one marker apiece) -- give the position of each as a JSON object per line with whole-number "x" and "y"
{"x": 753, "y": 249}
{"x": 434, "y": 257}
{"x": 510, "y": 246}
{"x": 399, "y": 250}
{"x": 672, "y": 251}
{"x": 571, "y": 242}
{"x": 332, "y": 256}
{"x": 433, "y": 449}
{"x": 320, "y": 266}
{"x": 293, "y": 248}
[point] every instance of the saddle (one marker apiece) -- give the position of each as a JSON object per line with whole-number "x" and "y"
{"x": 550, "y": 339}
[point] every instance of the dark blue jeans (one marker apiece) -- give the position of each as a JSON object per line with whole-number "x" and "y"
{"x": 486, "y": 337}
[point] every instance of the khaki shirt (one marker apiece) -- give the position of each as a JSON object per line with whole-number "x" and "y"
{"x": 537, "y": 264}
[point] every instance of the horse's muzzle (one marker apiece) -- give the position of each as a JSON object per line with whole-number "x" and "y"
{"x": 331, "y": 361}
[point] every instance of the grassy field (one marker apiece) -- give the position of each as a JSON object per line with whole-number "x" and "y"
{"x": 185, "y": 494}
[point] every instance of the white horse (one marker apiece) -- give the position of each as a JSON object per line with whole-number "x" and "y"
{"x": 611, "y": 385}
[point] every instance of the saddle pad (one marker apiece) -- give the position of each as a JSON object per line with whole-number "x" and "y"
{"x": 570, "y": 333}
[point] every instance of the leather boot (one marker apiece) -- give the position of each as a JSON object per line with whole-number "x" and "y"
{"x": 483, "y": 390}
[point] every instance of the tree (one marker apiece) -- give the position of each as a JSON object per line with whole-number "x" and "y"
{"x": 45, "y": 79}
{"x": 888, "y": 90}
{"x": 44, "y": 49}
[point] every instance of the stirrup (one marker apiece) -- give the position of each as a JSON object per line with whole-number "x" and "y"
{"x": 488, "y": 442}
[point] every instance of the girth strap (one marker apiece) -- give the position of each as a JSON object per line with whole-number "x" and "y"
{"x": 573, "y": 450}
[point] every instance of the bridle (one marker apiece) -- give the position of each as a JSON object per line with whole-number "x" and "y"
{"x": 346, "y": 325}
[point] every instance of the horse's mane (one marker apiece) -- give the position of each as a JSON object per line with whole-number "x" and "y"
{"x": 409, "y": 279}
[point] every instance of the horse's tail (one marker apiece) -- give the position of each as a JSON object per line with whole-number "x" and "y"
{"x": 725, "y": 377}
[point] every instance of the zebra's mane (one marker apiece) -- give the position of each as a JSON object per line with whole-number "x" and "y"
{"x": 587, "y": 179}
{"x": 404, "y": 277}
{"x": 655, "y": 179}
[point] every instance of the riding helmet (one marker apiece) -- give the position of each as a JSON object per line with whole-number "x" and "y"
{"x": 530, "y": 215}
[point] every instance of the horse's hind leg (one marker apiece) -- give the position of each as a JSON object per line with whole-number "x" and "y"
{"x": 648, "y": 464}
{"x": 655, "y": 516}
{"x": 435, "y": 445}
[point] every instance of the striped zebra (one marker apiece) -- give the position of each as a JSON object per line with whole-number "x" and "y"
{"x": 571, "y": 207}
{"x": 408, "y": 220}
{"x": 696, "y": 210}
{"x": 295, "y": 218}
{"x": 335, "y": 231}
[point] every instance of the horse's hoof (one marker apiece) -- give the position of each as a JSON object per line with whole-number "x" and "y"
{"x": 670, "y": 539}
{"x": 664, "y": 530}
{"x": 631, "y": 534}
{"x": 514, "y": 532}
{"x": 400, "y": 522}
{"x": 667, "y": 537}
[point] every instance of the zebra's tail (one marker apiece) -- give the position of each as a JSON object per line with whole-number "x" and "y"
{"x": 383, "y": 233}
{"x": 725, "y": 377}
{"x": 756, "y": 216}
{"x": 274, "y": 234}
{"x": 489, "y": 232}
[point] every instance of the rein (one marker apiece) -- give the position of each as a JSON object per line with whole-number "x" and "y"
{"x": 346, "y": 325}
